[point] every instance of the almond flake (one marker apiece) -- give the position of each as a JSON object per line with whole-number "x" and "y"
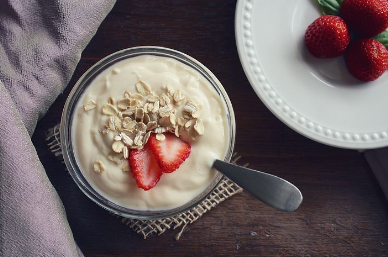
{"x": 99, "y": 167}
{"x": 117, "y": 138}
{"x": 90, "y": 105}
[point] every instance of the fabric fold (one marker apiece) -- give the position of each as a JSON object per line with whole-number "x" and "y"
{"x": 40, "y": 45}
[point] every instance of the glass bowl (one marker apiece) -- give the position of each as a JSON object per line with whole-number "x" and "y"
{"x": 75, "y": 95}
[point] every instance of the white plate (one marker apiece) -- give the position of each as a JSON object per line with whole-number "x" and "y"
{"x": 315, "y": 97}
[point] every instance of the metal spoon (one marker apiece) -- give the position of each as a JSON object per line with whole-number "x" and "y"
{"x": 272, "y": 190}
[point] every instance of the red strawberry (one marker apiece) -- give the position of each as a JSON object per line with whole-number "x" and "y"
{"x": 368, "y": 17}
{"x": 171, "y": 152}
{"x": 328, "y": 36}
{"x": 144, "y": 167}
{"x": 366, "y": 59}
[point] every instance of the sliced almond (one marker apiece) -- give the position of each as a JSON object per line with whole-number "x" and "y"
{"x": 90, "y": 105}
{"x": 99, "y": 166}
{"x": 118, "y": 146}
{"x": 110, "y": 110}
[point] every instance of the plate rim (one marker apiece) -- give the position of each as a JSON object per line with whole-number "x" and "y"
{"x": 275, "y": 104}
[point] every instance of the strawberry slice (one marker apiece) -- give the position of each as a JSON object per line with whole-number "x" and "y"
{"x": 171, "y": 152}
{"x": 145, "y": 167}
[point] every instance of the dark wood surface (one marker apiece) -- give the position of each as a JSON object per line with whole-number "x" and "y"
{"x": 344, "y": 210}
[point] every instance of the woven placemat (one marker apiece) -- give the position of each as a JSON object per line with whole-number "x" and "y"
{"x": 225, "y": 189}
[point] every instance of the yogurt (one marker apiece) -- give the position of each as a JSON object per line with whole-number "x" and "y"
{"x": 90, "y": 145}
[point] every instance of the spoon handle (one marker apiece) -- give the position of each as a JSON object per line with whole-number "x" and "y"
{"x": 272, "y": 190}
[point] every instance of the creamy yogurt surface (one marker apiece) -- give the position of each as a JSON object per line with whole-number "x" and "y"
{"x": 176, "y": 188}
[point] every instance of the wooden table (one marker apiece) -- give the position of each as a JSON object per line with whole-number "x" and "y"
{"x": 344, "y": 211}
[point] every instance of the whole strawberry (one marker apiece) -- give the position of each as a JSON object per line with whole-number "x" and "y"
{"x": 328, "y": 36}
{"x": 366, "y": 59}
{"x": 367, "y": 17}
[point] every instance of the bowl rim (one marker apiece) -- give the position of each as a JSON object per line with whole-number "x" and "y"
{"x": 66, "y": 125}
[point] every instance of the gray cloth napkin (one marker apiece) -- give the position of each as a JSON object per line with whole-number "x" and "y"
{"x": 40, "y": 45}
{"x": 378, "y": 161}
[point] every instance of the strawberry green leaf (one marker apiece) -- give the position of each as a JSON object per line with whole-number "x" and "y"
{"x": 382, "y": 38}
{"x": 330, "y": 7}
